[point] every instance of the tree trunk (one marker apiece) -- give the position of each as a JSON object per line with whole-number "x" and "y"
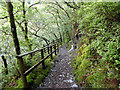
{"x": 75, "y": 29}
{"x": 26, "y": 29}
{"x": 16, "y": 42}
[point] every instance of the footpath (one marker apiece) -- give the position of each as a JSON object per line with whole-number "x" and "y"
{"x": 61, "y": 74}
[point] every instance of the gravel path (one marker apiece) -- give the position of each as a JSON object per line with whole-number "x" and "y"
{"x": 61, "y": 75}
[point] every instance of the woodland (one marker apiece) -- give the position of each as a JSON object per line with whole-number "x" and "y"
{"x": 28, "y": 25}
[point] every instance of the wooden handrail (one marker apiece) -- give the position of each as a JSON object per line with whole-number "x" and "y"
{"x": 43, "y": 59}
{"x": 21, "y": 55}
{"x": 34, "y": 66}
{"x": 49, "y": 47}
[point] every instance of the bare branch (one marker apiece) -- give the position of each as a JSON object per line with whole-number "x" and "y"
{"x": 56, "y": 11}
{"x": 4, "y": 17}
{"x": 8, "y": 16}
{"x": 76, "y": 5}
{"x": 46, "y": 40}
{"x": 68, "y": 4}
{"x": 6, "y": 33}
{"x": 61, "y": 8}
{"x": 34, "y": 4}
{"x": 20, "y": 25}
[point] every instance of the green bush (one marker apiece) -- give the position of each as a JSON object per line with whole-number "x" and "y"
{"x": 98, "y": 60}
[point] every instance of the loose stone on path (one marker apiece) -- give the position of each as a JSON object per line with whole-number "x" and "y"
{"x": 61, "y": 75}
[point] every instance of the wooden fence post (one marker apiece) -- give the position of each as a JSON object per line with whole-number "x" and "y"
{"x": 48, "y": 49}
{"x": 42, "y": 56}
{"x": 54, "y": 47}
{"x": 44, "y": 48}
{"x": 5, "y": 64}
{"x": 58, "y": 45}
{"x": 61, "y": 40}
{"x": 51, "y": 52}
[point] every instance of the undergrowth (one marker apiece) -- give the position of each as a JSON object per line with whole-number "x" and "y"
{"x": 35, "y": 77}
{"x": 98, "y": 62}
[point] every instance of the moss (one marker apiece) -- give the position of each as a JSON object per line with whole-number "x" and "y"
{"x": 85, "y": 70}
{"x": 38, "y": 80}
{"x": 30, "y": 77}
{"x": 69, "y": 45}
{"x": 20, "y": 84}
{"x": 54, "y": 56}
{"x": 81, "y": 63}
{"x": 36, "y": 76}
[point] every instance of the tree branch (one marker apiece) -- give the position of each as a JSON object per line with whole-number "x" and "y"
{"x": 46, "y": 40}
{"x": 20, "y": 25}
{"x": 6, "y": 33}
{"x": 8, "y": 16}
{"x": 33, "y": 4}
{"x": 76, "y": 5}
{"x": 69, "y": 5}
{"x": 61, "y": 8}
{"x": 56, "y": 11}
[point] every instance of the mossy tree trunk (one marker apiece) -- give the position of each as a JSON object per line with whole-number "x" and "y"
{"x": 26, "y": 28}
{"x": 16, "y": 42}
{"x": 75, "y": 29}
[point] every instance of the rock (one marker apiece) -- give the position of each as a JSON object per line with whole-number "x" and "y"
{"x": 61, "y": 75}
{"x": 74, "y": 85}
{"x": 70, "y": 81}
{"x": 52, "y": 62}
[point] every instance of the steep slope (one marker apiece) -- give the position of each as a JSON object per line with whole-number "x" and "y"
{"x": 99, "y": 49}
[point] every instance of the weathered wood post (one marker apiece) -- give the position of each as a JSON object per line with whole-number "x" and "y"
{"x": 5, "y": 64}
{"x": 48, "y": 49}
{"x": 58, "y": 45}
{"x": 44, "y": 48}
{"x": 42, "y": 56}
{"x": 51, "y": 52}
{"x": 54, "y": 47}
{"x": 61, "y": 40}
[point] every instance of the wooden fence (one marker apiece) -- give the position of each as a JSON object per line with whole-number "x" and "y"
{"x": 53, "y": 47}
{"x": 50, "y": 49}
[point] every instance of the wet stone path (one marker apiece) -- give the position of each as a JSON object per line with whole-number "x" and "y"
{"x": 61, "y": 75}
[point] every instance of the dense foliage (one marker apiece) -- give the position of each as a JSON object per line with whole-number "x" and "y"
{"x": 38, "y": 23}
{"x": 98, "y": 60}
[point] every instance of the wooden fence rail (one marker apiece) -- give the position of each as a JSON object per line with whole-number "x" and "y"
{"x": 54, "y": 45}
{"x": 45, "y": 49}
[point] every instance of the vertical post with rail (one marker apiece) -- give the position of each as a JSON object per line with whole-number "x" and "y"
{"x": 61, "y": 40}
{"x": 54, "y": 47}
{"x": 58, "y": 45}
{"x": 48, "y": 49}
{"x": 51, "y": 52}
{"x": 55, "y": 50}
{"x": 5, "y": 64}
{"x": 44, "y": 48}
{"x": 42, "y": 56}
